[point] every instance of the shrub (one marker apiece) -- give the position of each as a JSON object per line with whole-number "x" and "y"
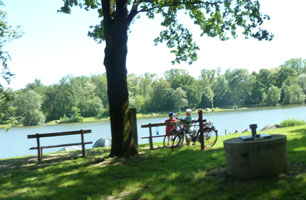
{"x": 235, "y": 107}
{"x": 292, "y": 122}
{"x": 75, "y": 117}
{"x": 70, "y": 119}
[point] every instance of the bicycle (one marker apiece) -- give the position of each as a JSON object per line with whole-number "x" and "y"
{"x": 172, "y": 133}
{"x": 210, "y": 134}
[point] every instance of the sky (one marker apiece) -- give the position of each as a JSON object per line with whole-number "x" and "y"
{"x": 55, "y": 44}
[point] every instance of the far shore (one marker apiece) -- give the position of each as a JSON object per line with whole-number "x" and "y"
{"x": 165, "y": 114}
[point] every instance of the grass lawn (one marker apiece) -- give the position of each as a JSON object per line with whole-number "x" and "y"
{"x": 154, "y": 174}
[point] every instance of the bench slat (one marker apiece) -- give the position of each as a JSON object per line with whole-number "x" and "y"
{"x": 60, "y": 145}
{"x": 154, "y": 136}
{"x": 40, "y": 135}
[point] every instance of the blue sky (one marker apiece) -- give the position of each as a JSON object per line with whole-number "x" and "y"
{"x": 56, "y": 44}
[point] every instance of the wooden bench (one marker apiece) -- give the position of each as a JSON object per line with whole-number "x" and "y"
{"x": 39, "y": 148}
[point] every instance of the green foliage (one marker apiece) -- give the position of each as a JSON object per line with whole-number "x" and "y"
{"x": 223, "y": 19}
{"x": 75, "y": 117}
{"x": 293, "y": 94}
{"x": 28, "y": 108}
{"x": 148, "y": 93}
{"x": 292, "y": 122}
{"x": 221, "y": 92}
{"x": 235, "y": 107}
{"x": 273, "y": 96}
{"x": 7, "y": 34}
{"x": 301, "y": 80}
{"x": 283, "y": 74}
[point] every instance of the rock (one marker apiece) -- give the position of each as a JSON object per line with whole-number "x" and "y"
{"x": 271, "y": 126}
{"x": 103, "y": 142}
{"x": 71, "y": 148}
{"x": 245, "y": 130}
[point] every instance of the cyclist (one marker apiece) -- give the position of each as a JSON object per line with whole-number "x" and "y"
{"x": 188, "y": 121}
{"x": 170, "y": 127}
{"x": 188, "y": 125}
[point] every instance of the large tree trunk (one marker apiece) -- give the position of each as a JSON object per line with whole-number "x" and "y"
{"x": 115, "y": 64}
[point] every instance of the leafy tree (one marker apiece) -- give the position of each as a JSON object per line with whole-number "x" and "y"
{"x": 273, "y": 96}
{"x": 293, "y": 94}
{"x": 283, "y": 73}
{"x": 194, "y": 94}
{"x": 92, "y": 107}
{"x": 162, "y": 97}
{"x": 298, "y": 64}
{"x": 215, "y": 18}
{"x": 139, "y": 103}
{"x": 7, "y": 109}
{"x": 179, "y": 99}
{"x": 100, "y": 82}
{"x": 59, "y": 100}
{"x": 74, "y": 117}
{"x": 133, "y": 84}
{"x": 28, "y": 108}
{"x": 221, "y": 92}
{"x": 7, "y": 34}
{"x": 238, "y": 83}
{"x": 301, "y": 80}
{"x": 83, "y": 91}
{"x": 145, "y": 84}
{"x": 178, "y": 78}
{"x": 265, "y": 79}
{"x": 210, "y": 75}
{"x": 208, "y": 97}
{"x": 37, "y": 86}
{"x": 257, "y": 91}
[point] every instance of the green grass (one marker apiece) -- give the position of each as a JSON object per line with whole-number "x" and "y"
{"x": 292, "y": 122}
{"x": 154, "y": 174}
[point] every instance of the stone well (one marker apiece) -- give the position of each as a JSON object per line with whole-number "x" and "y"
{"x": 256, "y": 157}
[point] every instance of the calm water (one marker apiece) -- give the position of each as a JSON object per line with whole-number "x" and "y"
{"x": 15, "y": 143}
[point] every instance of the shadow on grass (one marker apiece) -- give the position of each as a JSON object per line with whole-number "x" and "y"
{"x": 159, "y": 174}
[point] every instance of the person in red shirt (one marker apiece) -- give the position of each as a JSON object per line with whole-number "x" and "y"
{"x": 170, "y": 127}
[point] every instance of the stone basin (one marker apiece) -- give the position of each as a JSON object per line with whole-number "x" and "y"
{"x": 256, "y": 158}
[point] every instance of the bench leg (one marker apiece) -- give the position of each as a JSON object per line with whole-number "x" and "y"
{"x": 83, "y": 145}
{"x": 39, "y": 153}
{"x": 39, "y": 150}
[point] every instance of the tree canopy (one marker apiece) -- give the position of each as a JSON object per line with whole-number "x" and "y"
{"x": 7, "y": 34}
{"x": 216, "y": 18}
{"x": 222, "y": 18}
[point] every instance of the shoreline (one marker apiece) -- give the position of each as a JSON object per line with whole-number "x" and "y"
{"x": 164, "y": 114}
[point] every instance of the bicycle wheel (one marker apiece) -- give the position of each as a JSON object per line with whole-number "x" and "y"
{"x": 178, "y": 141}
{"x": 210, "y": 137}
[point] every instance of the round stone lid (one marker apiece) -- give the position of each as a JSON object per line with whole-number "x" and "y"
{"x": 239, "y": 140}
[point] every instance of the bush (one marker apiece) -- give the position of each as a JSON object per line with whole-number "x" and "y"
{"x": 70, "y": 119}
{"x": 292, "y": 122}
{"x": 75, "y": 117}
{"x": 235, "y": 107}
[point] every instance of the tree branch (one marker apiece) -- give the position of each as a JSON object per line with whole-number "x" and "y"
{"x": 134, "y": 10}
{"x": 176, "y": 4}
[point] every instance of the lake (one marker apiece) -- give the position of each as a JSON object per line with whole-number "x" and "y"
{"x": 15, "y": 143}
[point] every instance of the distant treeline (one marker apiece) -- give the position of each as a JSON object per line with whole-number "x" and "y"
{"x": 77, "y": 97}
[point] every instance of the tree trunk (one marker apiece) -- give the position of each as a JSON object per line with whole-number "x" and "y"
{"x": 115, "y": 64}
